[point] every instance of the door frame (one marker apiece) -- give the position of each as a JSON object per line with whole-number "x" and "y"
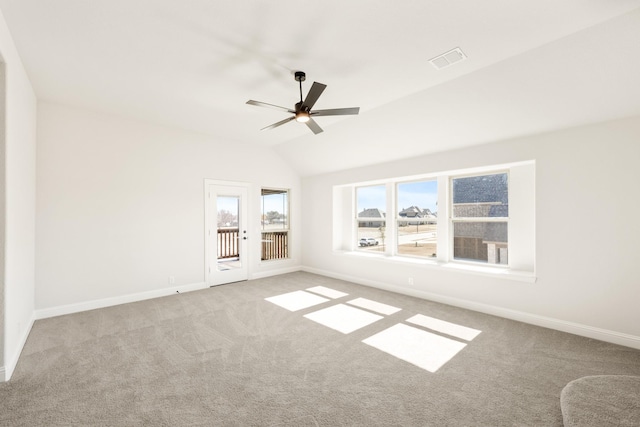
{"x": 210, "y": 231}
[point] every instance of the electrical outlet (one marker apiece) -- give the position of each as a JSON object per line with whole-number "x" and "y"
{"x": 410, "y": 280}
{"x": 172, "y": 280}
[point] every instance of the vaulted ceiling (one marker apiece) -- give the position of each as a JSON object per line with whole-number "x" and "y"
{"x": 531, "y": 67}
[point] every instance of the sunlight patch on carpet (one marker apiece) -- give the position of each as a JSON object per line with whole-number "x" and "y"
{"x": 327, "y": 292}
{"x": 378, "y": 307}
{"x": 420, "y": 348}
{"x": 297, "y": 300}
{"x": 438, "y": 325}
{"x": 343, "y": 318}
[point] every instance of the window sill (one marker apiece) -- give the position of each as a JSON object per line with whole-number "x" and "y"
{"x": 480, "y": 270}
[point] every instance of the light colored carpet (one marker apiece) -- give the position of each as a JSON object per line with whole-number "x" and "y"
{"x": 225, "y": 356}
{"x": 602, "y": 401}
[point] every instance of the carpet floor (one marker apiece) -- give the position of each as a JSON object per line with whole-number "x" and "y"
{"x": 297, "y": 350}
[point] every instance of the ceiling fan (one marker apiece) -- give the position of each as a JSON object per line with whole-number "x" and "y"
{"x": 302, "y": 111}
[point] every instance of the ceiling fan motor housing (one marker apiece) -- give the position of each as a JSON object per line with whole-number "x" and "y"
{"x": 301, "y": 107}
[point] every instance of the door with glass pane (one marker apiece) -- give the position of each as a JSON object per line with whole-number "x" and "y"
{"x": 227, "y": 234}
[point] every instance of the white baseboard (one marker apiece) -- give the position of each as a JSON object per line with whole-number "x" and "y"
{"x": 547, "y": 322}
{"x": 533, "y": 319}
{"x": 277, "y": 272}
{"x": 141, "y": 296}
{"x": 6, "y": 371}
{"x": 123, "y": 299}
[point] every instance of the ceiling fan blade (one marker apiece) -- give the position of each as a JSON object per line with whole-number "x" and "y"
{"x": 313, "y": 95}
{"x": 264, "y": 104}
{"x": 280, "y": 123}
{"x": 311, "y": 124}
{"x": 336, "y": 112}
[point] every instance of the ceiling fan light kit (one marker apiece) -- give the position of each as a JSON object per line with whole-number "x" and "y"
{"x": 302, "y": 117}
{"x": 302, "y": 112}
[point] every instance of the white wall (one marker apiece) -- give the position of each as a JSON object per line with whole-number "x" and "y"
{"x": 121, "y": 206}
{"x": 586, "y": 233}
{"x": 19, "y": 207}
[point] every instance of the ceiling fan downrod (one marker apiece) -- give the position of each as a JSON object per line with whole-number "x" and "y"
{"x": 300, "y": 76}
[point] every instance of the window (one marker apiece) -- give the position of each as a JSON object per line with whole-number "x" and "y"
{"x": 478, "y": 220}
{"x": 480, "y": 214}
{"x": 417, "y": 218}
{"x": 371, "y": 218}
{"x": 274, "y": 220}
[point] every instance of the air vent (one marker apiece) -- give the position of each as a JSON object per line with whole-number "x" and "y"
{"x": 448, "y": 58}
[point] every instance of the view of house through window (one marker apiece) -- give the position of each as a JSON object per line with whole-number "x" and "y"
{"x": 480, "y": 215}
{"x": 371, "y": 202}
{"x": 417, "y": 218}
{"x": 451, "y": 219}
{"x": 274, "y": 204}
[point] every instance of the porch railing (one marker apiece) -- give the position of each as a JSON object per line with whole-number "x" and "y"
{"x": 228, "y": 243}
{"x": 275, "y": 245}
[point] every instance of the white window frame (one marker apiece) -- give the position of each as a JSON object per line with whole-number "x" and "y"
{"x": 358, "y": 220}
{"x": 286, "y": 229}
{"x": 520, "y": 222}
{"x": 452, "y": 220}
{"x": 397, "y": 217}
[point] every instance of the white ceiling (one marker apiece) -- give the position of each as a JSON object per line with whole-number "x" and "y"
{"x": 532, "y": 67}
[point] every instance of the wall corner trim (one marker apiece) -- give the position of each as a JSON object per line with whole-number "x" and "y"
{"x": 6, "y": 372}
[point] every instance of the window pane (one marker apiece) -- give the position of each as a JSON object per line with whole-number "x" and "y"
{"x": 371, "y": 202}
{"x": 275, "y": 224}
{"x": 228, "y": 207}
{"x": 372, "y": 237}
{"x": 481, "y": 196}
{"x": 417, "y": 218}
{"x": 275, "y": 209}
{"x": 480, "y": 241}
